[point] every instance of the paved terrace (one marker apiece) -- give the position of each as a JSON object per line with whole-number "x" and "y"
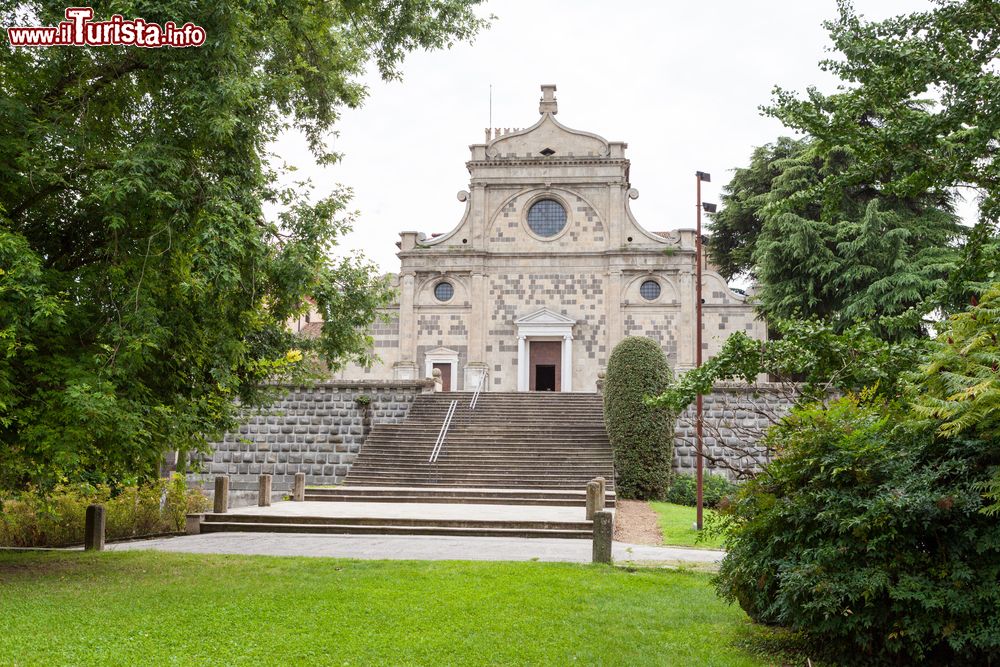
{"x": 414, "y": 547}
{"x": 467, "y": 511}
{"x": 406, "y": 547}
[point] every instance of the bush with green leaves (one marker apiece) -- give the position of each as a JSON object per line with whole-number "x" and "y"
{"x": 57, "y": 519}
{"x": 866, "y": 535}
{"x": 684, "y": 489}
{"x": 641, "y": 435}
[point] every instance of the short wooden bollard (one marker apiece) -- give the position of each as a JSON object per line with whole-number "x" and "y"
{"x": 299, "y": 487}
{"x": 93, "y": 538}
{"x": 603, "y": 535}
{"x": 221, "y": 494}
{"x": 593, "y": 489}
{"x": 264, "y": 491}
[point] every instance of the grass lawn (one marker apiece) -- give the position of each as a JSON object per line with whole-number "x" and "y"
{"x": 676, "y": 522}
{"x": 130, "y": 608}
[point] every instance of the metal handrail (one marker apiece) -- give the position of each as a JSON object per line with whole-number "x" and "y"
{"x": 479, "y": 388}
{"x": 444, "y": 432}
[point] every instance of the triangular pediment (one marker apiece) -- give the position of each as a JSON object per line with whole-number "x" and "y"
{"x": 544, "y": 317}
{"x": 441, "y": 352}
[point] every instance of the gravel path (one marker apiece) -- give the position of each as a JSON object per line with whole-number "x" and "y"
{"x": 637, "y": 523}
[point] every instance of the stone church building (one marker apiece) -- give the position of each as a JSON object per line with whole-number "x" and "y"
{"x": 545, "y": 272}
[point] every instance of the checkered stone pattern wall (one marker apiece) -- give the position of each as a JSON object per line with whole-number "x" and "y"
{"x": 590, "y": 228}
{"x": 579, "y": 295}
{"x": 386, "y": 334}
{"x": 317, "y": 430}
{"x": 584, "y": 228}
{"x": 733, "y": 415}
{"x": 659, "y": 325}
{"x": 505, "y": 228}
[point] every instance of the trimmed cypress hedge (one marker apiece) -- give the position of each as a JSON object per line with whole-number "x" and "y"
{"x": 641, "y": 436}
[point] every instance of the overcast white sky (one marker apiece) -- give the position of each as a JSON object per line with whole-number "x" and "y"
{"x": 680, "y": 82}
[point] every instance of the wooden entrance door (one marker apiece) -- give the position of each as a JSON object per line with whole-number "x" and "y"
{"x": 445, "y": 369}
{"x": 546, "y": 354}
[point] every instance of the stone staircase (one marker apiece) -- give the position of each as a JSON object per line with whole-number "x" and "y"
{"x": 369, "y": 525}
{"x": 538, "y": 447}
{"x": 514, "y": 449}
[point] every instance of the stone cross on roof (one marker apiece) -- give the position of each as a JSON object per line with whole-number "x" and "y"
{"x": 548, "y": 102}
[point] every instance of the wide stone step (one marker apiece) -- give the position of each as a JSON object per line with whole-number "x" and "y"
{"x": 397, "y": 521}
{"x": 475, "y": 453}
{"x": 364, "y": 529}
{"x": 374, "y": 480}
{"x": 513, "y": 429}
{"x": 485, "y": 459}
{"x": 501, "y": 473}
{"x": 472, "y": 500}
{"x": 486, "y": 443}
{"x": 443, "y": 465}
{"x": 445, "y": 492}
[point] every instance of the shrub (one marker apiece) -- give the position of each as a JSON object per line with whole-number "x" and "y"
{"x": 684, "y": 489}
{"x": 57, "y": 520}
{"x": 641, "y": 435}
{"x": 865, "y": 535}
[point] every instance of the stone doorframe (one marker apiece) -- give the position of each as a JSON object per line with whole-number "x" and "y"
{"x": 549, "y": 325}
{"x": 442, "y": 355}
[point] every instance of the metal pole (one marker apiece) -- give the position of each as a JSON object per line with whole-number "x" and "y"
{"x": 699, "y": 406}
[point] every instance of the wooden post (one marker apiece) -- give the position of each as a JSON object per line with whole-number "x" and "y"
{"x": 299, "y": 488}
{"x": 593, "y": 489}
{"x": 221, "y": 494}
{"x": 603, "y": 536}
{"x": 264, "y": 491}
{"x": 93, "y": 537}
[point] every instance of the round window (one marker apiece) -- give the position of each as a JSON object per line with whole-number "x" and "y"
{"x": 444, "y": 291}
{"x": 650, "y": 290}
{"x": 546, "y": 217}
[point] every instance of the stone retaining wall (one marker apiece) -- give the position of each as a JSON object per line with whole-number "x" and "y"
{"x": 317, "y": 430}
{"x": 736, "y": 416}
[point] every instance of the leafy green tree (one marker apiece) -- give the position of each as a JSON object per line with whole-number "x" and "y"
{"x": 809, "y": 356}
{"x": 737, "y": 225}
{"x": 858, "y": 254}
{"x": 142, "y": 288}
{"x": 919, "y": 112}
{"x": 641, "y": 434}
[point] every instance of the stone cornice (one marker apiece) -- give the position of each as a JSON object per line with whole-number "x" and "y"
{"x": 455, "y": 251}
{"x": 356, "y": 384}
{"x": 547, "y": 162}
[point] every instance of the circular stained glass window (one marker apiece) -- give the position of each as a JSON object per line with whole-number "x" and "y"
{"x": 546, "y": 217}
{"x": 444, "y": 291}
{"x": 650, "y": 290}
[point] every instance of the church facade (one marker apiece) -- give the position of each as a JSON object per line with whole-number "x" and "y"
{"x": 545, "y": 272}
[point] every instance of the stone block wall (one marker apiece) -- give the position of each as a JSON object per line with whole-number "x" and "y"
{"x": 735, "y": 417}
{"x": 317, "y": 430}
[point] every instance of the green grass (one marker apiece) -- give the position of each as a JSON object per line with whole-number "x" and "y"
{"x": 129, "y": 608}
{"x": 676, "y": 522}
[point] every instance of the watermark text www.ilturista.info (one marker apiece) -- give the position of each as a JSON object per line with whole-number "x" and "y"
{"x": 79, "y": 30}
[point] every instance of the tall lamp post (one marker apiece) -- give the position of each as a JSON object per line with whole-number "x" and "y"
{"x": 700, "y": 177}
